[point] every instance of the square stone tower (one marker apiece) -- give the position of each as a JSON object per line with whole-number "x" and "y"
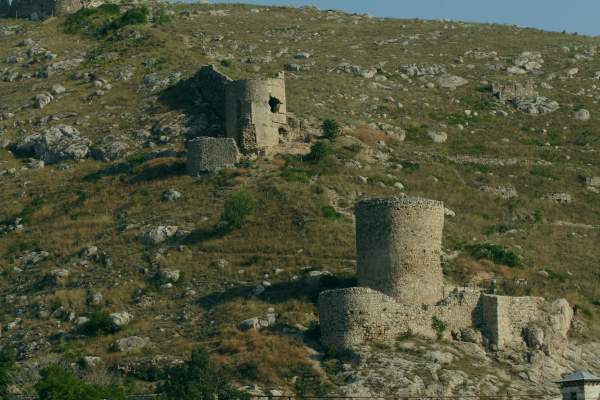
{"x": 256, "y": 112}
{"x": 580, "y": 385}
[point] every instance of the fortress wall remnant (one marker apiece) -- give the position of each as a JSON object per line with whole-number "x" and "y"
{"x": 211, "y": 85}
{"x": 256, "y": 112}
{"x": 209, "y": 154}
{"x": 504, "y": 318}
{"x": 355, "y": 316}
{"x": 399, "y": 246}
{"x": 510, "y": 91}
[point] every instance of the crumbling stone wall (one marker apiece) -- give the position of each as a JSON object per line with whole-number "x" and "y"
{"x": 505, "y": 319}
{"x": 355, "y": 316}
{"x": 398, "y": 244}
{"x": 211, "y": 85}
{"x": 510, "y": 91}
{"x": 401, "y": 288}
{"x": 256, "y": 112}
{"x": 39, "y": 9}
{"x": 209, "y": 154}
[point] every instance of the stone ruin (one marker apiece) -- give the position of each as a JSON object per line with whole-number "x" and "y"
{"x": 208, "y": 154}
{"x": 511, "y": 91}
{"x": 38, "y": 9}
{"x": 401, "y": 290}
{"x": 253, "y": 111}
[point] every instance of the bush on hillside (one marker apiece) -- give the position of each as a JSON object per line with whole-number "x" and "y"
{"x": 319, "y": 151}
{"x": 238, "y": 207}
{"x": 331, "y": 129}
{"x": 100, "y": 323}
{"x": 59, "y": 384}
{"x": 7, "y": 367}
{"x": 88, "y": 20}
{"x": 496, "y": 253}
{"x": 198, "y": 379}
{"x": 133, "y": 16}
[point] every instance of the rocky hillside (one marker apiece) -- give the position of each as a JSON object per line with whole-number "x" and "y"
{"x": 113, "y": 261}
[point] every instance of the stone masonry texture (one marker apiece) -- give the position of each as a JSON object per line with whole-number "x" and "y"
{"x": 401, "y": 287}
{"x": 399, "y": 247}
{"x": 254, "y": 111}
{"x": 208, "y": 154}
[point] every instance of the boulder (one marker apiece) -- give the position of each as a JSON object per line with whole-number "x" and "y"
{"x": 582, "y": 115}
{"x": 92, "y": 362}
{"x": 169, "y": 275}
{"x": 158, "y": 234}
{"x": 451, "y": 81}
{"x": 55, "y": 144}
{"x": 42, "y": 100}
{"x": 121, "y": 319}
{"x": 131, "y": 344}
{"x": 111, "y": 150}
{"x": 437, "y": 137}
{"x": 534, "y": 337}
{"x": 171, "y": 195}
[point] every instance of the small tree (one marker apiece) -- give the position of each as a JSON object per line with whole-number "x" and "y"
{"x": 320, "y": 151}
{"x": 100, "y": 323}
{"x": 198, "y": 379}
{"x": 438, "y": 326}
{"x": 238, "y": 207}
{"x": 60, "y": 384}
{"x": 7, "y": 367}
{"x": 331, "y": 129}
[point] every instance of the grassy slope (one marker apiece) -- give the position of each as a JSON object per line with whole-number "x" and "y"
{"x": 77, "y": 210}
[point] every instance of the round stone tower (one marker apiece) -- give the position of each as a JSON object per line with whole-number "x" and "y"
{"x": 398, "y": 243}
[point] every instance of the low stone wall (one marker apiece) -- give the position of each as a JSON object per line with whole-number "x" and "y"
{"x": 355, "y": 316}
{"x": 208, "y": 154}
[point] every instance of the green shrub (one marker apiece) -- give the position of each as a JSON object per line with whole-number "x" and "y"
{"x": 7, "y": 367}
{"x": 438, "y": 326}
{"x": 295, "y": 175}
{"x": 319, "y": 151}
{"x": 238, "y": 207}
{"x": 88, "y": 20}
{"x": 331, "y": 129}
{"x": 330, "y": 213}
{"x": 59, "y": 384}
{"x": 227, "y": 63}
{"x": 161, "y": 18}
{"x": 133, "y": 16}
{"x": 99, "y": 323}
{"x": 249, "y": 370}
{"x": 198, "y": 379}
{"x": 496, "y": 253}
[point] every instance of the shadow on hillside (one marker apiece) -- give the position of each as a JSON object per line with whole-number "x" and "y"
{"x": 139, "y": 171}
{"x": 204, "y": 234}
{"x": 182, "y": 96}
{"x": 306, "y": 289}
{"x": 159, "y": 169}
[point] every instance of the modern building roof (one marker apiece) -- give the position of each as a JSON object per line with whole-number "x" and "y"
{"x": 579, "y": 376}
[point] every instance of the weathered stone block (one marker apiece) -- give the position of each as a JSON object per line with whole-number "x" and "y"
{"x": 208, "y": 154}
